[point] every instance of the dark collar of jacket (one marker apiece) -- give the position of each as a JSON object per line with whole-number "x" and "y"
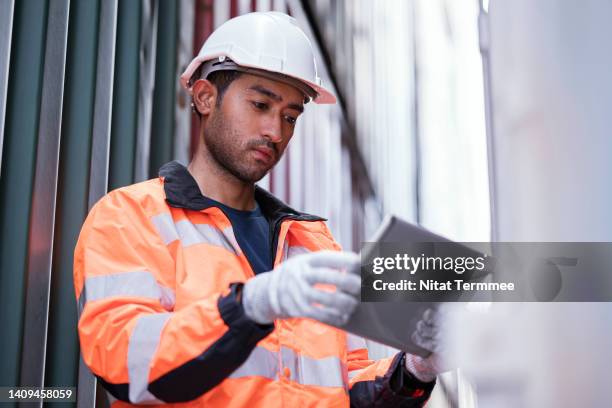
{"x": 182, "y": 191}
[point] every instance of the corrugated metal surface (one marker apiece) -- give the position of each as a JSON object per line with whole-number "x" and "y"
{"x": 16, "y": 184}
{"x": 125, "y": 95}
{"x": 146, "y": 83}
{"x": 42, "y": 212}
{"x": 7, "y": 8}
{"x": 163, "y": 115}
{"x": 77, "y": 126}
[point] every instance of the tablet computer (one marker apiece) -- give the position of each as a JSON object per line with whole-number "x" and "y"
{"x": 393, "y": 323}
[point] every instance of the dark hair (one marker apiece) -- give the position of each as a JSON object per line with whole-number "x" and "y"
{"x": 220, "y": 79}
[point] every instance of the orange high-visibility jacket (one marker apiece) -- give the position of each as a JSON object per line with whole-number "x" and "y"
{"x": 156, "y": 274}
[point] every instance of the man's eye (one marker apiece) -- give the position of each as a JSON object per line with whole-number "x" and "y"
{"x": 291, "y": 120}
{"x": 260, "y": 105}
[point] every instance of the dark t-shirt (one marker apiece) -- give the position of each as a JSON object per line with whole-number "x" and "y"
{"x": 252, "y": 232}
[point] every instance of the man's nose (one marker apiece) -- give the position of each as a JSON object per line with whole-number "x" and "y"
{"x": 273, "y": 129}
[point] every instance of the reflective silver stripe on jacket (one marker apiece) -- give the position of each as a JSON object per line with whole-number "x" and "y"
{"x": 324, "y": 372}
{"x": 126, "y": 284}
{"x": 354, "y": 342}
{"x": 290, "y": 251}
{"x": 192, "y": 234}
{"x": 261, "y": 363}
{"x": 143, "y": 343}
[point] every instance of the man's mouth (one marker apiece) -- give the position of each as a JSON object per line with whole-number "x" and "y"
{"x": 264, "y": 153}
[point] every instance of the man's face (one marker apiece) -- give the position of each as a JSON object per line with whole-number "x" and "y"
{"x": 248, "y": 134}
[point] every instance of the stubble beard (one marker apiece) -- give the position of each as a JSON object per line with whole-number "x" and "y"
{"x": 220, "y": 140}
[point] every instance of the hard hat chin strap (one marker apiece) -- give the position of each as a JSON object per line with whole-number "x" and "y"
{"x": 226, "y": 64}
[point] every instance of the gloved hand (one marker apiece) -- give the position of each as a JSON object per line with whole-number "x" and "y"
{"x": 289, "y": 290}
{"x": 427, "y": 335}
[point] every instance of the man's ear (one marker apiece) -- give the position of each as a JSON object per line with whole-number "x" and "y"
{"x": 204, "y": 96}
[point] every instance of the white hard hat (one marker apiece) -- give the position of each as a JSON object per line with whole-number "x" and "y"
{"x": 263, "y": 43}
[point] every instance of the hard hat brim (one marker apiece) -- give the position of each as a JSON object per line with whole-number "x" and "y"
{"x": 323, "y": 95}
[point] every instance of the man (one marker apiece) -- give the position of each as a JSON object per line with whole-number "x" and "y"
{"x": 200, "y": 288}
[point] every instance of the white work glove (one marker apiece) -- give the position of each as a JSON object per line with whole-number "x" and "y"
{"x": 427, "y": 336}
{"x": 289, "y": 290}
